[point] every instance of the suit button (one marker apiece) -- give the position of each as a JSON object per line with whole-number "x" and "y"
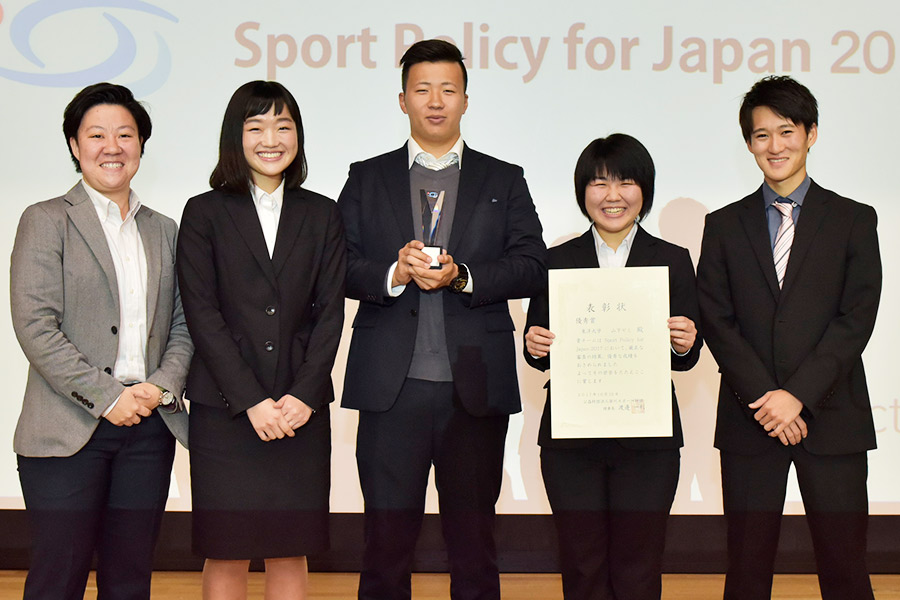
{"x": 269, "y": 346}
{"x": 114, "y": 330}
{"x": 90, "y": 405}
{"x": 74, "y": 394}
{"x": 413, "y": 312}
{"x": 270, "y": 310}
{"x": 108, "y": 371}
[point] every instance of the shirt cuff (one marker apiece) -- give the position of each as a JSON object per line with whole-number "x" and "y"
{"x": 470, "y": 286}
{"x": 111, "y": 406}
{"x": 393, "y": 292}
{"x": 677, "y": 353}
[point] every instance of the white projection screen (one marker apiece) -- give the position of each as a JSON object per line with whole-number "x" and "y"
{"x": 544, "y": 80}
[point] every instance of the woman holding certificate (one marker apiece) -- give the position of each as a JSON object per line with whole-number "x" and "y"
{"x": 611, "y": 497}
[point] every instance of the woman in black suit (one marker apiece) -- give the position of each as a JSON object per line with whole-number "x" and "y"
{"x": 611, "y": 497}
{"x": 261, "y": 267}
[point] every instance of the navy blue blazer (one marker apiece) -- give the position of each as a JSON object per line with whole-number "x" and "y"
{"x": 806, "y": 338}
{"x": 263, "y": 327}
{"x": 495, "y": 232}
{"x": 646, "y": 251}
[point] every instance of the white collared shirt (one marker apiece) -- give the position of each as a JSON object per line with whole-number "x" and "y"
{"x": 414, "y": 149}
{"x": 268, "y": 209}
{"x": 130, "y": 262}
{"x": 609, "y": 258}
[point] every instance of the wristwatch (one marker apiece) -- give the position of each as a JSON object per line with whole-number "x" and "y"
{"x": 166, "y": 398}
{"x": 459, "y": 283}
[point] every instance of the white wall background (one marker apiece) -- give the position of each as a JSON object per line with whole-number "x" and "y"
{"x": 544, "y": 80}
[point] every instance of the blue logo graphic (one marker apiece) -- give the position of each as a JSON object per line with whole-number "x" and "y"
{"x": 122, "y": 57}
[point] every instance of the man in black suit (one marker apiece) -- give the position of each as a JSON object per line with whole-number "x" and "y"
{"x": 431, "y": 366}
{"x": 788, "y": 297}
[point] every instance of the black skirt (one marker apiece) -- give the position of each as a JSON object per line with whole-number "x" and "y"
{"x": 256, "y": 499}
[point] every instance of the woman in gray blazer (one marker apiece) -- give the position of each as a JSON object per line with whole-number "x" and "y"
{"x": 96, "y": 310}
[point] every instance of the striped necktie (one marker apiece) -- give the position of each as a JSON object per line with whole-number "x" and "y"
{"x": 784, "y": 237}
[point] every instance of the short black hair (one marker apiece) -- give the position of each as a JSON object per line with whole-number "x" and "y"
{"x": 431, "y": 51}
{"x": 103, "y": 93}
{"x": 786, "y": 97}
{"x": 232, "y": 173}
{"x": 618, "y": 156}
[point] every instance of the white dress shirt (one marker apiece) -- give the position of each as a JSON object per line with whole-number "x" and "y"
{"x": 268, "y": 209}
{"x": 609, "y": 258}
{"x": 414, "y": 150}
{"x": 130, "y": 262}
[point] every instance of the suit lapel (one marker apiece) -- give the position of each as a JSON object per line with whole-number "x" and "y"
{"x": 753, "y": 218}
{"x": 643, "y": 249}
{"x": 396, "y": 180}
{"x": 815, "y": 207}
{"x": 151, "y": 238}
{"x": 293, "y": 215}
{"x": 471, "y": 182}
{"x": 243, "y": 213}
{"x": 84, "y": 217}
{"x": 584, "y": 253}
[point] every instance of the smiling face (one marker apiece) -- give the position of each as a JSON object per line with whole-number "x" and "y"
{"x": 108, "y": 150}
{"x": 435, "y": 101}
{"x": 780, "y": 148}
{"x": 613, "y": 205}
{"x": 270, "y": 146}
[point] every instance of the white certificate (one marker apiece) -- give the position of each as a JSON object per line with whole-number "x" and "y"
{"x": 611, "y": 359}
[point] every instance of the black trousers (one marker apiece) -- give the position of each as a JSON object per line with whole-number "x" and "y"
{"x": 394, "y": 451}
{"x": 836, "y": 504}
{"x": 108, "y": 497}
{"x": 610, "y": 506}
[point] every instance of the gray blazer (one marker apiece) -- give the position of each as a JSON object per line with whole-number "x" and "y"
{"x": 65, "y": 310}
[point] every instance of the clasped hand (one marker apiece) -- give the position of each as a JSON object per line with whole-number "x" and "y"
{"x": 135, "y": 403}
{"x": 414, "y": 265}
{"x": 273, "y": 420}
{"x": 779, "y": 414}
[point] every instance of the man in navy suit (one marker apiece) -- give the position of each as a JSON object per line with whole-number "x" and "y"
{"x": 789, "y": 281}
{"x": 439, "y": 237}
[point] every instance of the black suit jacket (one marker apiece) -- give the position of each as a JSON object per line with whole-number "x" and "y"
{"x": 495, "y": 232}
{"x": 262, "y": 327}
{"x": 646, "y": 251}
{"x": 806, "y": 338}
